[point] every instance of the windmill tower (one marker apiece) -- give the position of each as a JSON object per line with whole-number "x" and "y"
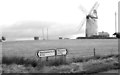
{"x": 91, "y": 21}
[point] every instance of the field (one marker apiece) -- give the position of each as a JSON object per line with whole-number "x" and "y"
{"x": 18, "y": 56}
{"x": 83, "y": 47}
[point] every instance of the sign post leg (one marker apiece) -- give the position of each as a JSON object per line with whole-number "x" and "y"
{"x": 55, "y": 58}
{"x": 40, "y": 59}
{"x": 62, "y": 58}
{"x": 46, "y": 58}
{"x": 65, "y": 58}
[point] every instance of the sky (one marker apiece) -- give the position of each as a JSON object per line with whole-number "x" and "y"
{"x": 24, "y": 19}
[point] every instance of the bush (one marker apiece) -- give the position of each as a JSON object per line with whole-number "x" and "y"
{"x": 60, "y": 61}
{"x": 90, "y": 64}
{"x": 33, "y": 62}
{"x": 19, "y": 61}
{"x": 56, "y": 62}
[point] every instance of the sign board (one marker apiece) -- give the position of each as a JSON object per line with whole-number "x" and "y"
{"x": 61, "y": 51}
{"x": 46, "y": 53}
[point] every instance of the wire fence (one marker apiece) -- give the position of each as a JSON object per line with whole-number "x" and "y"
{"x": 92, "y": 52}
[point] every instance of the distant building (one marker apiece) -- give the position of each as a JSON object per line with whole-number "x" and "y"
{"x": 91, "y": 24}
{"x": 60, "y": 37}
{"x": 36, "y": 38}
{"x": 103, "y": 34}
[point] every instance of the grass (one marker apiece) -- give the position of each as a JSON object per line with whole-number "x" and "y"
{"x": 55, "y": 65}
{"x": 19, "y": 61}
{"x": 86, "y": 59}
{"x": 81, "y": 47}
{"x": 32, "y": 62}
{"x": 20, "y": 53}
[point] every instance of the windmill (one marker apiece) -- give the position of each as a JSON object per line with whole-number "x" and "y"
{"x": 91, "y": 20}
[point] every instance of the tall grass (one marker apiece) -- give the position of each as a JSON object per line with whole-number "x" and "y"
{"x": 89, "y": 67}
{"x": 18, "y": 60}
{"x": 86, "y": 59}
{"x": 35, "y": 62}
{"x": 32, "y": 62}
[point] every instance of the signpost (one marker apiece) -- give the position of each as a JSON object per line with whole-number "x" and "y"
{"x": 46, "y": 53}
{"x": 61, "y": 51}
{"x": 52, "y": 52}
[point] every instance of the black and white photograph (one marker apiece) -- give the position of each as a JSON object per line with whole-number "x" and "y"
{"x": 60, "y": 37}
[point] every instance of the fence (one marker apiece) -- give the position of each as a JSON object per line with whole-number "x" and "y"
{"x": 92, "y": 52}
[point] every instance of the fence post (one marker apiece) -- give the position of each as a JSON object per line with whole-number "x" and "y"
{"x": 94, "y": 52}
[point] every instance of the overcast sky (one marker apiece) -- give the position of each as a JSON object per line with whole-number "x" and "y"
{"x": 20, "y": 19}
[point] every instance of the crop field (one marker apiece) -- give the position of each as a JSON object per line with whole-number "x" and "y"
{"x": 81, "y": 47}
{"x": 18, "y": 56}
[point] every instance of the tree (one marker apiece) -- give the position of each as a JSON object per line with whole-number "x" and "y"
{"x": 3, "y": 38}
{"x": 117, "y": 35}
{"x": 0, "y": 40}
